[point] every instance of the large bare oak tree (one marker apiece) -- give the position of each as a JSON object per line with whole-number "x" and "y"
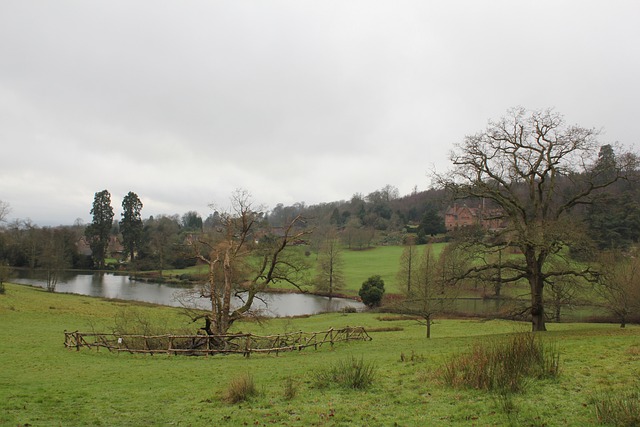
{"x": 535, "y": 170}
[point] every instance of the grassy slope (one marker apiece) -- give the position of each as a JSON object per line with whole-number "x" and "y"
{"x": 42, "y": 383}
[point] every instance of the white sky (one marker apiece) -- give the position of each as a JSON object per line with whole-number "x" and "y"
{"x": 295, "y": 101}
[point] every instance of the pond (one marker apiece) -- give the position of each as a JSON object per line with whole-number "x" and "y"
{"x": 110, "y": 285}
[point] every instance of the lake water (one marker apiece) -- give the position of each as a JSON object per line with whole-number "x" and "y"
{"x": 110, "y": 285}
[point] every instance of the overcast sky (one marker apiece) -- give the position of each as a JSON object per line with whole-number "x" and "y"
{"x": 295, "y": 101}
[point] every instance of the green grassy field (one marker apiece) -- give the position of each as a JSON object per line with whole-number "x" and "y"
{"x": 44, "y": 384}
{"x": 359, "y": 265}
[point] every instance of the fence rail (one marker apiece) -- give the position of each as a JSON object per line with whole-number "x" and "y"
{"x": 204, "y": 345}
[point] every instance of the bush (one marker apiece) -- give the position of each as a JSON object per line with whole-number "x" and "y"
{"x": 502, "y": 365}
{"x": 372, "y": 291}
{"x": 240, "y": 389}
{"x": 351, "y": 373}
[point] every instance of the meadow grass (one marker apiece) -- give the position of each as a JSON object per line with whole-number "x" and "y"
{"x": 42, "y": 383}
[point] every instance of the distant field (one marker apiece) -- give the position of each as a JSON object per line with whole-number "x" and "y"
{"x": 44, "y": 384}
{"x": 359, "y": 265}
{"x": 381, "y": 260}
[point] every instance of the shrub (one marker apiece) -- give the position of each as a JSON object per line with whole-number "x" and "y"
{"x": 372, "y": 291}
{"x": 503, "y": 365}
{"x": 351, "y": 373}
{"x": 240, "y": 389}
{"x": 619, "y": 410}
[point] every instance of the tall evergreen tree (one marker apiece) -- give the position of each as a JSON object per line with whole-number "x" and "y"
{"x": 98, "y": 231}
{"x": 131, "y": 223}
{"x": 613, "y": 218}
{"x": 432, "y": 223}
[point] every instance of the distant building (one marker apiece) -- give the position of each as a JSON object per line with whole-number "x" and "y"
{"x": 462, "y": 216}
{"x": 114, "y": 247}
{"x": 83, "y": 246}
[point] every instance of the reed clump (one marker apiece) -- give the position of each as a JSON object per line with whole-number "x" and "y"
{"x": 350, "y": 373}
{"x": 503, "y": 364}
{"x": 240, "y": 389}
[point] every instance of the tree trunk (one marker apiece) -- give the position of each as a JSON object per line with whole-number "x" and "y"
{"x": 498, "y": 285}
{"x": 226, "y": 295}
{"x": 428, "y": 326}
{"x": 536, "y": 285}
{"x": 537, "y": 305}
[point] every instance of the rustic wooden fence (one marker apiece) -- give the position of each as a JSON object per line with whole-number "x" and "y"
{"x": 204, "y": 345}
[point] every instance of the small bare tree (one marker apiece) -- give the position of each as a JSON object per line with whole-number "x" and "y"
{"x": 53, "y": 256}
{"x": 620, "y": 285}
{"x": 5, "y": 270}
{"x": 564, "y": 292}
{"x": 244, "y": 258}
{"x": 330, "y": 277}
{"x": 408, "y": 265}
{"x": 5, "y": 210}
{"x": 432, "y": 290}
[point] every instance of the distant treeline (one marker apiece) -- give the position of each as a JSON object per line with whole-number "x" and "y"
{"x": 382, "y": 217}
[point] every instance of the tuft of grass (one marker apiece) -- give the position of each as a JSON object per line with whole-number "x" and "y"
{"x": 413, "y": 357}
{"x": 634, "y": 351}
{"x": 503, "y": 365}
{"x": 621, "y": 410}
{"x": 350, "y": 373}
{"x": 290, "y": 388}
{"x": 240, "y": 389}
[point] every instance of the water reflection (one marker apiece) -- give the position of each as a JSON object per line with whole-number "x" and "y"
{"x": 109, "y": 285}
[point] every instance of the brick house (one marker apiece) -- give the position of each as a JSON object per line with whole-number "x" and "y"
{"x": 462, "y": 215}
